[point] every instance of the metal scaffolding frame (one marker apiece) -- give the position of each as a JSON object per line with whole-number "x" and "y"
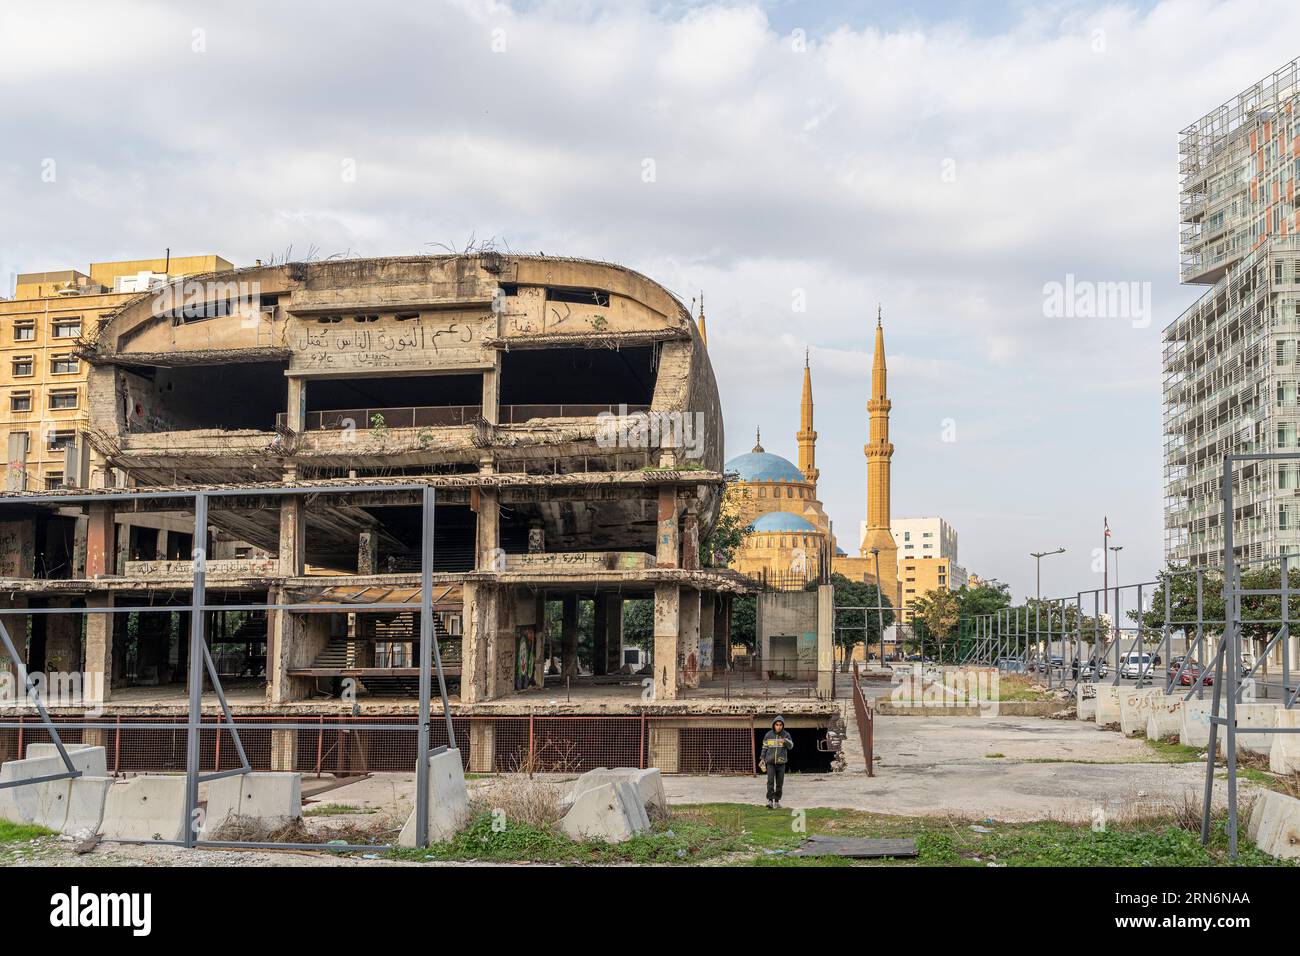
{"x": 200, "y": 660}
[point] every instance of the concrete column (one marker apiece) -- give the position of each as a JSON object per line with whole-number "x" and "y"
{"x": 492, "y": 393}
{"x": 478, "y": 642}
{"x": 722, "y": 633}
{"x": 691, "y": 540}
{"x": 539, "y": 615}
{"x": 488, "y": 545}
{"x": 101, "y": 548}
{"x": 689, "y": 644}
{"x": 569, "y": 640}
{"x": 99, "y": 649}
{"x": 368, "y": 552}
{"x": 667, "y": 629}
{"x": 297, "y": 405}
{"x": 600, "y": 637}
{"x": 284, "y": 750}
{"x": 62, "y": 640}
{"x": 708, "y": 616}
{"x": 160, "y": 549}
{"x": 292, "y": 536}
{"x": 667, "y": 541}
{"x": 614, "y": 630}
{"x": 825, "y": 641}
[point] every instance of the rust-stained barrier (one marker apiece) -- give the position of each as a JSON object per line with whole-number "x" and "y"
{"x": 349, "y": 746}
{"x": 866, "y": 717}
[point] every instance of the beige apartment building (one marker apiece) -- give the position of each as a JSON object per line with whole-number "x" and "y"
{"x": 43, "y": 410}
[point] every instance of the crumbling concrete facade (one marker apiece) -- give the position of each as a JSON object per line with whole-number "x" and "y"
{"x": 564, "y": 412}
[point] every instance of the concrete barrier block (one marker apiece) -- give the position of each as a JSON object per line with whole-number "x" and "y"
{"x": 1085, "y": 701}
{"x": 86, "y": 799}
{"x": 448, "y": 801}
{"x": 611, "y": 812}
{"x": 1163, "y": 714}
{"x": 270, "y": 799}
{"x": 1257, "y": 715}
{"x": 24, "y": 804}
{"x": 1274, "y": 825}
{"x": 1284, "y": 751}
{"x": 1134, "y": 705}
{"x": 1107, "y": 704}
{"x": 89, "y": 759}
{"x": 1194, "y": 723}
{"x": 150, "y": 807}
{"x": 649, "y": 784}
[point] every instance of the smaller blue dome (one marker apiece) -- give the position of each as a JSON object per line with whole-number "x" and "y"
{"x": 841, "y": 553}
{"x": 763, "y": 466}
{"x": 782, "y": 521}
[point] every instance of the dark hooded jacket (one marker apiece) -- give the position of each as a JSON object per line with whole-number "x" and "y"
{"x": 777, "y": 746}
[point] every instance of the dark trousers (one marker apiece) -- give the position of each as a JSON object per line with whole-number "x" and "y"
{"x": 775, "y": 781}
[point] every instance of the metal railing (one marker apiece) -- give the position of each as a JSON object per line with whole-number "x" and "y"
{"x": 444, "y": 416}
{"x": 866, "y": 718}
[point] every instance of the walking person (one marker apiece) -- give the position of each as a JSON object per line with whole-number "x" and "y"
{"x": 773, "y": 758}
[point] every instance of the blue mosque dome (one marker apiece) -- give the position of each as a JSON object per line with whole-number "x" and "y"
{"x": 782, "y": 521}
{"x": 764, "y": 466}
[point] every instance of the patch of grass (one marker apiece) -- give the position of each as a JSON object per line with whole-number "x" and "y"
{"x": 1019, "y": 687}
{"x": 21, "y": 832}
{"x": 994, "y": 756}
{"x": 753, "y": 835}
{"x": 1172, "y": 752}
{"x": 336, "y": 810}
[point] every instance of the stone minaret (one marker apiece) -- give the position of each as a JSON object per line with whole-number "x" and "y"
{"x": 807, "y": 438}
{"x": 879, "y": 451}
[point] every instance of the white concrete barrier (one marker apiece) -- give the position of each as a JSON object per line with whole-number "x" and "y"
{"x": 649, "y": 784}
{"x": 1107, "y": 704}
{"x": 448, "y": 800}
{"x": 1163, "y": 715}
{"x": 611, "y": 812}
{"x": 1274, "y": 825}
{"x": 1194, "y": 723}
{"x": 150, "y": 807}
{"x": 86, "y": 799}
{"x": 90, "y": 759}
{"x": 1085, "y": 701}
{"x": 1257, "y": 715}
{"x": 27, "y": 804}
{"x": 1134, "y": 705}
{"x": 270, "y": 799}
{"x": 1284, "y": 752}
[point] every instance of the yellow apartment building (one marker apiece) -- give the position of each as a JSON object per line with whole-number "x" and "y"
{"x": 43, "y": 407}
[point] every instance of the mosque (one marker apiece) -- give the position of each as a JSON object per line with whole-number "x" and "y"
{"x": 792, "y": 540}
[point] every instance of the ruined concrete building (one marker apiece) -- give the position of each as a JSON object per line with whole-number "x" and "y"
{"x": 513, "y": 385}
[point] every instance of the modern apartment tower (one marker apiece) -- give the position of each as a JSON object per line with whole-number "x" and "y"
{"x": 1230, "y": 362}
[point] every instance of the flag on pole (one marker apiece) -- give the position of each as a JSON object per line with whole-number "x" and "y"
{"x": 1106, "y": 523}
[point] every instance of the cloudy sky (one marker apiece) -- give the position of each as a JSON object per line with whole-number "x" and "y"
{"x": 798, "y": 162}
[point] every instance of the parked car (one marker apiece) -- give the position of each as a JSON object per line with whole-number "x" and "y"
{"x": 1189, "y": 674}
{"x": 1136, "y": 664}
{"x": 1088, "y": 670}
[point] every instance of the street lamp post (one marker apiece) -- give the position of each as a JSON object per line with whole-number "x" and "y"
{"x": 1038, "y": 601}
{"x": 1117, "y": 548}
{"x": 880, "y": 610}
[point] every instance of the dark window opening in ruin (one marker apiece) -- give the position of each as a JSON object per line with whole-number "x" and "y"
{"x": 578, "y": 296}
{"x": 151, "y": 650}
{"x": 390, "y": 543}
{"x": 574, "y": 383}
{"x": 398, "y": 401}
{"x": 230, "y": 396}
{"x": 55, "y": 548}
{"x": 804, "y": 758}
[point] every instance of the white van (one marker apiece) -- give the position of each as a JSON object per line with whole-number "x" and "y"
{"x": 1136, "y": 665}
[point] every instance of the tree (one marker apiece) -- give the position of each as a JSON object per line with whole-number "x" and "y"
{"x": 935, "y": 617}
{"x": 638, "y": 623}
{"x": 744, "y": 621}
{"x": 720, "y": 547}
